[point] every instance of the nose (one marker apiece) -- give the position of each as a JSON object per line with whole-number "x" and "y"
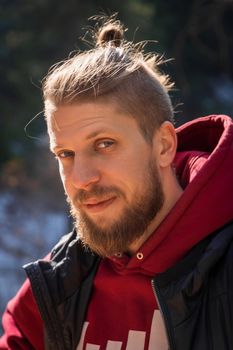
{"x": 84, "y": 173}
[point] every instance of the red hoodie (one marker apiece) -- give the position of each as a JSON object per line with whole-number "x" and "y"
{"x": 123, "y": 312}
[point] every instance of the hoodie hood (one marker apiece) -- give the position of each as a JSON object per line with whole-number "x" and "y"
{"x": 204, "y": 165}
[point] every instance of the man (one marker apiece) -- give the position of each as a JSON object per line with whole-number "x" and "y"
{"x": 149, "y": 263}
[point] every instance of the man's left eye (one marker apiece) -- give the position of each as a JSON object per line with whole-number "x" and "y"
{"x": 104, "y": 144}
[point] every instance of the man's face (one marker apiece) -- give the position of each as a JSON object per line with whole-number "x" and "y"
{"x": 109, "y": 173}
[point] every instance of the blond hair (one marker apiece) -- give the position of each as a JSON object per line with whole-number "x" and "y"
{"x": 114, "y": 71}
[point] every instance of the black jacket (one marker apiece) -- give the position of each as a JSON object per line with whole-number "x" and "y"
{"x": 195, "y": 296}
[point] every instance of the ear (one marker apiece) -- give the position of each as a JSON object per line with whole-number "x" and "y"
{"x": 165, "y": 144}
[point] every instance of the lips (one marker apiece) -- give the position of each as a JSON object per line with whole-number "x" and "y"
{"x": 94, "y": 205}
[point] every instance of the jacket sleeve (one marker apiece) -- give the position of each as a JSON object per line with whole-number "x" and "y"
{"x": 22, "y": 324}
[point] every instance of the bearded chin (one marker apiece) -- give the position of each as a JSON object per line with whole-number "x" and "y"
{"x": 109, "y": 237}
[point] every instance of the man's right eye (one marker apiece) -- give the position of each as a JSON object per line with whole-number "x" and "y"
{"x": 64, "y": 154}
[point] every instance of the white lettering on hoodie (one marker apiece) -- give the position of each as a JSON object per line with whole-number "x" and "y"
{"x": 136, "y": 339}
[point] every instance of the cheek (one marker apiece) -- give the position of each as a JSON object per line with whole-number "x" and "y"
{"x": 62, "y": 172}
{"x": 139, "y": 173}
{"x": 64, "y": 178}
{"x": 134, "y": 169}
{"x": 130, "y": 177}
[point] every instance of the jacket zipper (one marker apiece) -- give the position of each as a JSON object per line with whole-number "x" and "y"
{"x": 163, "y": 311}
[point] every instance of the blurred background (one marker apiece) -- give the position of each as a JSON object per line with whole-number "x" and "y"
{"x": 196, "y": 34}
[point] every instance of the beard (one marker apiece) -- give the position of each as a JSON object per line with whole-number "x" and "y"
{"x": 106, "y": 237}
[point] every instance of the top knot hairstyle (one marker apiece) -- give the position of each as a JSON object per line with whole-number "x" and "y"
{"x": 110, "y": 33}
{"x": 115, "y": 71}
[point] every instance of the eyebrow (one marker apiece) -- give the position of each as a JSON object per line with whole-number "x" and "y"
{"x": 96, "y": 133}
{"x": 54, "y": 149}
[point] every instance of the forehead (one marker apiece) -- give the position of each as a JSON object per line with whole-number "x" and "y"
{"x": 86, "y": 120}
{"x": 66, "y": 115}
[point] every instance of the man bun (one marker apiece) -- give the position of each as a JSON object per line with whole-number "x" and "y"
{"x": 110, "y": 34}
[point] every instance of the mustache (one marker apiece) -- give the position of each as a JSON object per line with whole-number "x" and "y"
{"x": 97, "y": 192}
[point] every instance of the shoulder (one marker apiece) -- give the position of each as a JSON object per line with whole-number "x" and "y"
{"x": 22, "y": 322}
